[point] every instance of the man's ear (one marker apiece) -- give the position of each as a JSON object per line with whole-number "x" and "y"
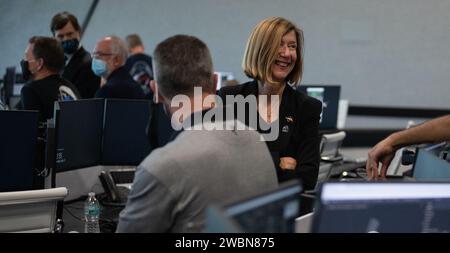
{"x": 157, "y": 98}
{"x": 40, "y": 62}
{"x": 117, "y": 60}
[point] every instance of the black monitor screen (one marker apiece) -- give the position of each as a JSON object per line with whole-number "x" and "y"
{"x": 18, "y": 135}
{"x": 382, "y": 207}
{"x": 329, "y": 95}
{"x": 79, "y": 133}
{"x": 125, "y": 140}
{"x": 8, "y": 87}
{"x": 429, "y": 166}
{"x": 274, "y": 211}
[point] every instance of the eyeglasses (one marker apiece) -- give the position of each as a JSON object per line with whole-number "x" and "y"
{"x": 100, "y": 54}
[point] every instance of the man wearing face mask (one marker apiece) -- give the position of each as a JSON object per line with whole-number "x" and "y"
{"x": 109, "y": 57}
{"x": 42, "y": 63}
{"x": 77, "y": 70}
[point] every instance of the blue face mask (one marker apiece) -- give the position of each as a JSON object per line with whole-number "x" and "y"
{"x": 99, "y": 67}
{"x": 70, "y": 46}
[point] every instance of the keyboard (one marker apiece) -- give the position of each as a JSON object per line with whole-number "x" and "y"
{"x": 346, "y": 167}
{"x": 123, "y": 176}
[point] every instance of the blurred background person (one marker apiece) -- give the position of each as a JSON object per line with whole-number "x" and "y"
{"x": 274, "y": 60}
{"x": 77, "y": 69}
{"x": 139, "y": 64}
{"x": 41, "y": 67}
{"x": 108, "y": 62}
{"x": 435, "y": 130}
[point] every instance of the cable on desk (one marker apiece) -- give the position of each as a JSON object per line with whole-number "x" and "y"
{"x": 105, "y": 224}
{"x": 71, "y": 214}
{"x": 81, "y": 198}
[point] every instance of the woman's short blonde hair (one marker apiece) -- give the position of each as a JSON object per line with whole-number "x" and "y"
{"x": 263, "y": 46}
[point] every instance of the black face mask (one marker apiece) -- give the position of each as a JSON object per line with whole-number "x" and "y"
{"x": 70, "y": 46}
{"x": 26, "y": 73}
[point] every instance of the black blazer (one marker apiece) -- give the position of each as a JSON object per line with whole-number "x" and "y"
{"x": 40, "y": 95}
{"x": 298, "y": 138}
{"x": 78, "y": 71}
{"x": 120, "y": 85}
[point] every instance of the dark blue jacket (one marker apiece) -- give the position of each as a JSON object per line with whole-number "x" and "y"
{"x": 120, "y": 85}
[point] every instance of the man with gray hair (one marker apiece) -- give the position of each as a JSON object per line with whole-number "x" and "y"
{"x": 109, "y": 57}
{"x": 175, "y": 184}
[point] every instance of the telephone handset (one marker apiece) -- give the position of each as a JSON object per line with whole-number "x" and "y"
{"x": 111, "y": 190}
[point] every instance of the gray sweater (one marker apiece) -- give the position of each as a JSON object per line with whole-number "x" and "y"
{"x": 175, "y": 184}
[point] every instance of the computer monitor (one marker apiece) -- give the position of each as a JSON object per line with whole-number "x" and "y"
{"x": 161, "y": 127}
{"x": 12, "y": 86}
{"x": 18, "y": 135}
{"x": 273, "y": 211}
{"x": 329, "y": 95}
{"x": 382, "y": 207}
{"x": 8, "y": 84}
{"x": 79, "y": 126}
{"x": 124, "y": 135}
{"x": 223, "y": 78}
{"x": 437, "y": 148}
{"x": 429, "y": 166}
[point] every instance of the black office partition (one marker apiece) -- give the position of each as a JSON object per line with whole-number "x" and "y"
{"x": 79, "y": 126}
{"x": 18, "y": 138}
{"x": 124, "y": 135}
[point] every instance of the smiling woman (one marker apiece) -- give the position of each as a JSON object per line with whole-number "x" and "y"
{"x": 274, "y": 60}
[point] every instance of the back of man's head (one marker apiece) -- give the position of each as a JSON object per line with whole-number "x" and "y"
{"x": 61, "y": 19}
{"x": 181, "y": 63}
{"x": 133, "y": 41}
{"x": 50, "y": 50}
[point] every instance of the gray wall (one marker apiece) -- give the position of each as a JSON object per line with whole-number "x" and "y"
{"x": 382, "y": 52}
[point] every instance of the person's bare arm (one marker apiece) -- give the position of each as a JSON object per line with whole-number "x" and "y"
{"x": 435, "y": 130}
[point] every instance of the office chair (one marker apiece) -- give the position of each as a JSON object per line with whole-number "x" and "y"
{"x": 329, "y": 146}
{"x": 329, "y": 155}
{"x": 303, "y": 223}
{"x": 30, "y": 211}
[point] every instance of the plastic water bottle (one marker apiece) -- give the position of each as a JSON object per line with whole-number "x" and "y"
{"x": 91, "y": 214}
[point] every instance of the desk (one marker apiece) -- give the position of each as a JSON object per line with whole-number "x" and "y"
{"x": 73, "y": 217}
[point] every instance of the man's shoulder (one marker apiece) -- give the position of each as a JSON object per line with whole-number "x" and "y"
{"x": 140, "y": 57}
{"x": 80, "y": 59}
{"x": 27, "y": 88}
{"x": 161, "y": 163}
{"x": 241, "y": 89}
{"x": 103, "y": 91}
{"x": 83, "y": 55}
